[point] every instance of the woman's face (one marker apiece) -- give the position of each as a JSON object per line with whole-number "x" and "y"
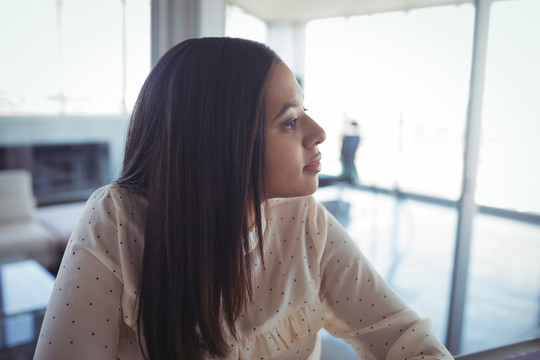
{"x": 291, "y": 155}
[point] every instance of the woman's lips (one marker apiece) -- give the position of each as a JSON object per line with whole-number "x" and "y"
{"x": 314, "y": 166}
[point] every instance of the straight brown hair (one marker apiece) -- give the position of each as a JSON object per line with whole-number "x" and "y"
{"x": 195, "y": 151}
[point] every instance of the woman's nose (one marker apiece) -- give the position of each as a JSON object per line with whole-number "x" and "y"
{"x": 322, "y": 134}
{"x": 316, "y": 134}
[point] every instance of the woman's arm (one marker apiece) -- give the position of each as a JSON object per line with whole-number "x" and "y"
{"x": 84, "y": 313}
{"x": 363, "y": 309}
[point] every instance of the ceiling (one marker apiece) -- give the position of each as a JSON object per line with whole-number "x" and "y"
{"x": 293, "y": 11}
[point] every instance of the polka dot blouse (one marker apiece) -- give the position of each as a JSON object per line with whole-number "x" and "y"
{"x": 315, "y": 277}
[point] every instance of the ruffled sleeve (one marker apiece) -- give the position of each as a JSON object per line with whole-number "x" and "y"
{"x": 361, "y": 307}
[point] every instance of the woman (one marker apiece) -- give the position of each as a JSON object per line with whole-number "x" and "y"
{"x": 209, "y": 245}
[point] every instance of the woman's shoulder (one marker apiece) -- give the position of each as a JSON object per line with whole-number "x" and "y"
{"x": 120, "y": 196}
{"x": 111, "y": 228}
{"x": 300, "y": 212}
{"x": 294, "y": 203}
{"x": 309, "y": 215}
{"x": 113, "y": 209}
{"x": 113, "y": 190}
{"x": 305, "y": 207}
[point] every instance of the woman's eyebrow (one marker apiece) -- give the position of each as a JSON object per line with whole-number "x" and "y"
{"x": 286, "y": 107}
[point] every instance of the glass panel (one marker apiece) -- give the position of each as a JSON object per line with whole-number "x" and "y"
{"x": 91, "y": 56}
{"x": 26, "y": 287}
{"x": 423, "y": 253}
{"x": 29, "y": 71}
{"x": 240, "y": 24}
{"x": 73, "y": 57}
{"x": 410, "y": 243}
{"x": 404, "y": 78}
{"x": 502, "y": 304}
{"x": 19, "y": 329}
{"x": 137, "y": 48}
{"x": 509, "y": 174}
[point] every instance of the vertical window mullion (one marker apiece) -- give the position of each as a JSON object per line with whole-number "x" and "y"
{"x": 466, "y": 206}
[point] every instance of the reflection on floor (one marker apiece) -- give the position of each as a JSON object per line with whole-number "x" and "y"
{"x": 411, "y": 244}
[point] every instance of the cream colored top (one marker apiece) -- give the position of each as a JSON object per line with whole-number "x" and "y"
{"x": 315, "y": 277}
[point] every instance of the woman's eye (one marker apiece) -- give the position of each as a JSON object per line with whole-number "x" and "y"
{"x": 290, "y": 124}
{"x": 305, "y": 109}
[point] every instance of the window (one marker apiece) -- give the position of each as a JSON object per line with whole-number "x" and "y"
{"x": 509, "y": 175}
{"x": 409, "y": 242}
{"x": 70, "y": 74}
{"x": 504, "y": 287}
{"x": 404, "y": 77}
{"x": 240, "y": 24}
{"x": 83, "y": 57}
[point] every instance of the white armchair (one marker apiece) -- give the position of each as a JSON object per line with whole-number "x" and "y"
{"x": 22, "y": 236}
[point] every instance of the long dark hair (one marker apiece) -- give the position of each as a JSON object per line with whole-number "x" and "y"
{"x": 195, "y": 151}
